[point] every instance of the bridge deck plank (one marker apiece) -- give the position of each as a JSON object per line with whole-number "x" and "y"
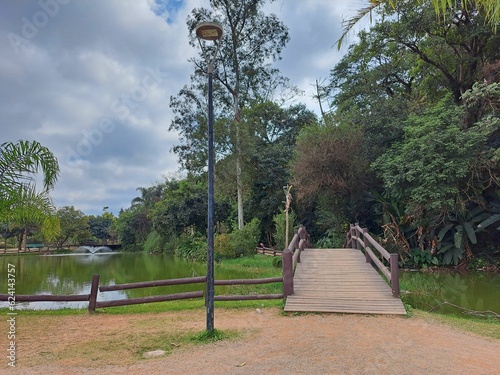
{"x": 340, "y": 280}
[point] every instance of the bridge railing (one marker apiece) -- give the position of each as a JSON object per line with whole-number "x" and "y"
{"x": 359, "y": 238}
{"x": 291, "y": 256}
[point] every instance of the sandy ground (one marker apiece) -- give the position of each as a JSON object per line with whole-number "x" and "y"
{"x": 267, "y": 343}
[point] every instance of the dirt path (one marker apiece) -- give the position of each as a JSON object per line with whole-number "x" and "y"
{"x": 267, "y": 343}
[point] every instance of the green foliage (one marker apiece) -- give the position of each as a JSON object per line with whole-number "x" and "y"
{"x": 212, "y": 336}
{"x": 280, "y": 228}
{"x": 20, "y": 203}
{"x": 419, "y": 258}
{"x": 184, "y": 205}
{"x": 154, "y": 243}
{"x": 101, "y": 226}
{"x": 193, "y": 247}
{"x": 224, "y": 246}
{"x": 278, "y": 262}
{"x": 332, "y": 240}
{"x": 74, "y": 226}
{"x": 409, "y": 310}
{"x": 329, "y": 166}
{"x": 245, "y": 239}
{"x": 423, "y": 169}
{"x": 20, "y": 163}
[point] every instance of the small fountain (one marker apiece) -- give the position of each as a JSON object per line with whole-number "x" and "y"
{"x": 93, "y": 249}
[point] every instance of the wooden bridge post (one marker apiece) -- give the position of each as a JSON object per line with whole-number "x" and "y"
{"x": 358, "y": 245}
{"x": 365, "y": 245}
{"x": 287, "y": 261}
{"x": 353, "y": 233}
{"x": 393, "y": 261}
{"x": 93, "y": 293}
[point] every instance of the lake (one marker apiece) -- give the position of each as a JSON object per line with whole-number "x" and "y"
{"x": 72, "y": 274}
{"x": 440, "y": 290}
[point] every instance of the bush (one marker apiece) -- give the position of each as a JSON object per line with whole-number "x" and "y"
{"x": 224, "y": 246}
{"x": 245, "y": 240}
{"x": 154, "y": 243}
{"x": 170, "y": 244}
{"x": 192, "y": 247}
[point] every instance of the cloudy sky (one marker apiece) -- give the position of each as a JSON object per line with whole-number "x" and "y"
{"x": 91, "y": 80}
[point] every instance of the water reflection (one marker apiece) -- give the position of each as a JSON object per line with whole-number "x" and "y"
{"x": 439, "y": 291}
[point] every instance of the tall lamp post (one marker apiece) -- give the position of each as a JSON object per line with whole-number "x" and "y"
{"x": 210, "y": 31}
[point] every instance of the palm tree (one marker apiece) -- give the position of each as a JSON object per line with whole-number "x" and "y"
{"x": 21, "y": 161}
{"x": 34, "y": 209}
{"x": 20, "y": 203}
{"x": 490, "y": 8}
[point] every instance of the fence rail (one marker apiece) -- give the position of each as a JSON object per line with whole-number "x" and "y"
{"x": 359, "y": 238}
{"x": 268, "y": 251}
{"x": 95, "y": 288}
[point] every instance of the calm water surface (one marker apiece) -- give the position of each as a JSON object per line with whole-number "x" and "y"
{"x": 478, "y": 291}
{"x": 72, "y": 274}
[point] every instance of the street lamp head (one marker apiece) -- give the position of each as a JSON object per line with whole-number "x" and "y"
{"x": 208, "y": 31}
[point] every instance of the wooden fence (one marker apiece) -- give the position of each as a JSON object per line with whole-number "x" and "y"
{"x": 359, "y": 238}
{"x": 91, "y": 298}
{"x": 268, "y": 251}
{"x": 291, "y": 256}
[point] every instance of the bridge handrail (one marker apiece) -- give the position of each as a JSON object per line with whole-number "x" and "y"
{"x": 359, "y": 238}
{"x": 291, "y": 256}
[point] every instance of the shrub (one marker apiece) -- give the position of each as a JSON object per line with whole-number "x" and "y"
{"x": 154, "y": 243}
{"x": 245, "y": 240}
{"x": 192, "y": 247}
{"x": 224, "y": 246}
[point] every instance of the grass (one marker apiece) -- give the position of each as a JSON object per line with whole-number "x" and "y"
{"x": 488, "y": 327}
{"x": 213, "y": 336}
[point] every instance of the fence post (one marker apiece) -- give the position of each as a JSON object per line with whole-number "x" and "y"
{"x": 287, "y": 261}
{"x": 358, "y": 245}
{"x": 353, "y": 233}
{"x": 365, "y": 245}
{"x": 394, "y": 274}
{"x": 93, "y": 293}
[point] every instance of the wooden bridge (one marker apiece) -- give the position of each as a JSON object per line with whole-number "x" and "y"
{"x": 341, "y": 280}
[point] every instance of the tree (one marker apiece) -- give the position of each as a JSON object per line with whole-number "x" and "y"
{"x": 20, "y": 202}
{"x": 21, "y": 161}
{"x": 74, "y": 226}
{"x": 101, "y": 226}
{"x": 330, "y": 173}
{"x": 489, "y": 9}
{"x": 274, "y": 133}
{"x": 183, "y": 206}
{"x": 31, "y": 210}
{"x": 374, "y": 87}
{"x": 251, "y": 40}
